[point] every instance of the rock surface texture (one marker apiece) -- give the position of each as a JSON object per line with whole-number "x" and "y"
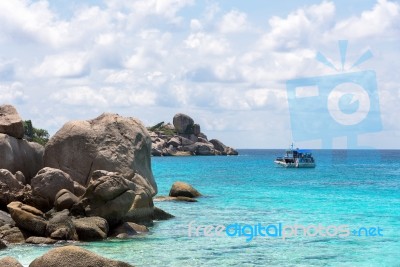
{"x": 49, "y": 181}
{"x": 28, "y": 218}
{"x": 10, "y": 122}
{"x": 184, "y": 138}
{"x": 109, "y": 142}
{"x": 181, "y": 189}
{"x": 9, "y": 262}
{"x": 20, "y": 155}
{"x": 74, "y": 256}
{"x": 116, "y": 199}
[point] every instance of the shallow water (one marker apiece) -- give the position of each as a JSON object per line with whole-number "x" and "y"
{"x": 354, "y": 188}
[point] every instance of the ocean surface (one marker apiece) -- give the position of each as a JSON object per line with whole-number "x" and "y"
{"x": 357, "y": 190}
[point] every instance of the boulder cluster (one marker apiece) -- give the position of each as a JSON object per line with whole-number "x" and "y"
{"x": 92, "y": 180}
{"x": 184, "y": 138}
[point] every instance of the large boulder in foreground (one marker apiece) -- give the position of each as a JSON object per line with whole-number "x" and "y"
{"x": 181, "y": 189}
{"x": 109, "y": 142}
{"x": 183, "y": 123}
{"x": 9, "y": 262}
{"x": 48, "y": 182}
{"x": 10, "y": 122}
{"x": 20, "y": 155}
{"x": 74, "y": 256}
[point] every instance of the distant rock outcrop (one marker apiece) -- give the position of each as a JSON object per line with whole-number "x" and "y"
{"x": 184, "y": 138}
{"x": 183, "y": 123}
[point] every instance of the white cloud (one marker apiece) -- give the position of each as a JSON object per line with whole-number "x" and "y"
{"x": 196, "y": 25}
{"x": 65, "y": 65}
{"x": 207, "y": 43}
{"x": 23, "y": 21}
{"x": 140, "y": 10}
{"x": 382, "y": 20}
{"x": 12, "y": 93}
{"x": 104, "y": 97}
{"x": 234, "y": 21}
{"x": 80, "y": 96}
{"x": 299, "y": 28}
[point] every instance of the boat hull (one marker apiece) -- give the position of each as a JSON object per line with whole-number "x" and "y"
{"x": 294, "y": 165}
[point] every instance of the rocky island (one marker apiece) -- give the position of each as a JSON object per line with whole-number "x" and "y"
{"x": 184, "y": 138}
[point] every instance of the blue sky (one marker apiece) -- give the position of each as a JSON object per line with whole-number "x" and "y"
{"x": 224, "y": 63}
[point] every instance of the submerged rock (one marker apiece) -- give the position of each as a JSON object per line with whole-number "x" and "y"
{"x": 74, "y": 256}
{"x": 161, "y": 215}
{"x": 128, "y": 229}
{"x": 168, "y": 198}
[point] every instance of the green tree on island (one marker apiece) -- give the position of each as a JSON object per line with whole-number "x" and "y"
{"x": 36, "y": 135}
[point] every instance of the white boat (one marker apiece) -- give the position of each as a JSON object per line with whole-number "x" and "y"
{"x": 296, "y": 158}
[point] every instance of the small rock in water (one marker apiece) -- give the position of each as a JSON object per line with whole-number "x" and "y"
{"x": 181, "y": 189}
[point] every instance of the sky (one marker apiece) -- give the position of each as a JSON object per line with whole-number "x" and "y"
{"x": 229, "y": 64}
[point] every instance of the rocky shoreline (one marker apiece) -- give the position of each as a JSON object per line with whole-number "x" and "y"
{"x": 184, "y": 138}
{"x": 92, "y": 181}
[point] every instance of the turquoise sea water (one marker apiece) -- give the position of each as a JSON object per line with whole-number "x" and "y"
{"x": 355, "y": 188}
